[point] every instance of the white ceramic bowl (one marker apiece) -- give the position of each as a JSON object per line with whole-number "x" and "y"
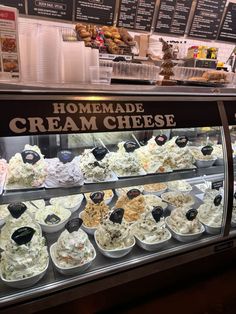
{"x": 72, "y": 209}
{"x": 89, "y": 230}
{"x": 54, "y": 228}
{"x": 157, "y": 193}
{"x": 184, "y": 237}
{"x": 219, "y": 162}
{"x": 152, "y": 246}
{"x": 172, "y": 206}
{"x": 26, "y": 282}
{"x": 116, "y": 253}
{"x": 184, "y": 191}
{"x": 71, "y": 270}
{"x": 121, "y": 191}
{"x": 155, "y": 201}
{"x": 211, "y": 230}
{"x": 204, "y": 163}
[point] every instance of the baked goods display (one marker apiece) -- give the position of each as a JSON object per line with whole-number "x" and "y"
{"x": 211, "y": 76}
{"x": 109, "y": 39}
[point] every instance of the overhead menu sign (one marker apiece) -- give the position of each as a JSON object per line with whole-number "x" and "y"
{"x": 136, "y": 14}
{"x": 58, "y": 9}
{"x": 228, "y": 27}
{"x": 207, "y": 18}
{"x": 18, "y": 4}
{"x": 95, "y": 11}
{"x": 173, "y": 16}
{"x": 82, "y": 116}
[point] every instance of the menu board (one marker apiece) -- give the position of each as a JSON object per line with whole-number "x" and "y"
{"x": 58, "y": 9}
{"x": 207, "y": 18}
{"x": 173, "y": 16}
{"x": 228, "y": 27}
{"x": 18, "y": 4}
{"x": 95, "y": 11}
{"x": 9, "y": 52}
{"x": 136, "y": 14}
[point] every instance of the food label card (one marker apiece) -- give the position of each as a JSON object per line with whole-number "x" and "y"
{"x": 9, "y": 45}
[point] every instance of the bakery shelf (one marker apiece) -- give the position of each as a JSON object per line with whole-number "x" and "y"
{"x": 28, "y": 195}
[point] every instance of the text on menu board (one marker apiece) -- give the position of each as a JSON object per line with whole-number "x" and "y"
{"x": 228, "y": 27}
{"x": 47, "y": 117}
{"x": 207, "y": 18}
{"x": 59, "y": 9}
{"x": 136, "y": 14}
{"x": 173, "y": 16}
{"x": 95, "y": 11}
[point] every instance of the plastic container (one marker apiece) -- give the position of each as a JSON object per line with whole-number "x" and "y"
{"x": 100, "y": 75}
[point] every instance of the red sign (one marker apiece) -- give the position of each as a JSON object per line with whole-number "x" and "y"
{"x": 7, "y": 15}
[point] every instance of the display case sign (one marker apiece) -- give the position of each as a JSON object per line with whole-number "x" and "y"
{"x": 207, "y": 18}
{"x": 18, "y": 4}
{"x": 95, "y": 11}
{"x": 228, "y": 27}
{"x": 56, "y": 9}
{"x": 9, "y": 52}
{"x": 29, "y": 117}
{"x": 173, "y": 16}
{"x": 136, "y": 14}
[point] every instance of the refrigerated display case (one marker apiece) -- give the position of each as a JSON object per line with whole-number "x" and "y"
{"x": 164, "y": 156}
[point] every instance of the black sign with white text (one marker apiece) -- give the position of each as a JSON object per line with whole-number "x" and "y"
{"x": 58, "y": 9}
{"x": 95, "y": 11}
{"x": 173, "y": 16}
{"x": 18, "y": 4}
{"x": 136, "y": 14}
{"x": 228, "y": 27}
{"x": 207, "y": 18}
{"x": 29, "y": 117}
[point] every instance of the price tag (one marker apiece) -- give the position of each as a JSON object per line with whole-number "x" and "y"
{"x": 117, "y": 215}
{"x": 16, "y": 209}
{"x": 133, "y": 193}
{"x": 217, "y": 200}
{"x": 181, "y": 141}
{"x": 74, "y": 225}
{"x": 143, "y": 142}
{"x": 97, "y": 197}
{"x": 216, "y": 185}
{"x": 130, "y": 146}
{"x": 23, "y": 235}
{"x": 161, "y": 139}
{"x": 30, "y": 157}
{"x": 52, "y": 219}
{"x": 191, "y": 214}
{"x": 65, "y": 156}
{"x": 157, "y": 213}
{"x": 207, "y": 150}
{"x": 99, "y": 152}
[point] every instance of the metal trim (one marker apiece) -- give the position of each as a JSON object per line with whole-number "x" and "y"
{"x": 229, "y": 169}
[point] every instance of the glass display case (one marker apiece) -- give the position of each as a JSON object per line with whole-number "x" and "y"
{"x": 112, "y": 180}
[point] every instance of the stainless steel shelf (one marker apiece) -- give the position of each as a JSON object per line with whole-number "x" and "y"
{"x": 27, "y": 195}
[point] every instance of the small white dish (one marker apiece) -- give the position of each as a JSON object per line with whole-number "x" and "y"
{"x": 112, "y": 178}
{"x": 63, "y": 202}
{"x": 56, "y": 227}
{"x": 74, "y": 270}
{"x": 152, "y": 246}
{"x": 211, "y": 230}
{"x": 26, "y": 282}
{"x": 89, "y": 230}
{"x": 157, "y": 192}
{"x": 219, "y": 162}
{"x": 184, "y": 237}
{"x": 172, "y": 206}
{"x": 116, "y": 253}
{"x": 141, "y": 172}
{"x": 204, "y": 163}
